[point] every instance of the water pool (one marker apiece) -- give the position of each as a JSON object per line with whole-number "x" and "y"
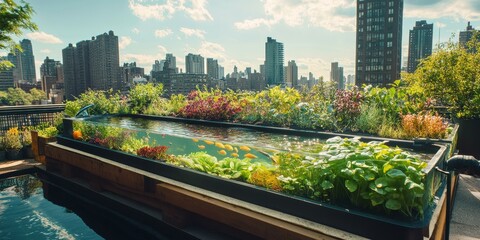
{"x": 26, "y": 214}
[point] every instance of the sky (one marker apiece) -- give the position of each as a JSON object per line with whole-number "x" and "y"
{"x": 314, "y": 33}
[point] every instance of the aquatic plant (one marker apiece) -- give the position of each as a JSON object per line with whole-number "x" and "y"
{"x": 211, "y": 108}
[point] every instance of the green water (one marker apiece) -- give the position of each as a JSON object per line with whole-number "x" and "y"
{"x": 182, "y": 138}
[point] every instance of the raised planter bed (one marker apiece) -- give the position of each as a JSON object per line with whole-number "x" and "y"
{"x": 351, "y": 220}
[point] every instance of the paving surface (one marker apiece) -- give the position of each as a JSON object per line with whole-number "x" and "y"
{"x": 465, "y": 223}
{"x": 12, "y": 166}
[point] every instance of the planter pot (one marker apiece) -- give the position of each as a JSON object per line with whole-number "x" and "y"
{"x": 28, "y": 152}
{"x": 38, "y": 146}
{"x": 2, "y": 155}
{"x": 14, "y": 154}
{"x": 364, "y": 223}
{"x": 468, "y": 133}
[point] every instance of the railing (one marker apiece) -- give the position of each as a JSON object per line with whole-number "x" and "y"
{"x": 28, "y": 115}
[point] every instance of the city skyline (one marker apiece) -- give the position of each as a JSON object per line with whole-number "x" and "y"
{"x": 232, "y": 32}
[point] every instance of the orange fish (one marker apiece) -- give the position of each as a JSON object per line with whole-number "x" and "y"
{"x": 222, "y": 152}
{"x": 234, "y": 155}
{"x": 219, "y": 145}
{"x": 249, "y": 155}
{"x": 201, "y": 146}
{"x": 228, "y": 147}
{"x": 194, "y": 139}
{"x": 208, "y": 142}
{"x": 245, "y": 148}
{"x": 77, "y": 134}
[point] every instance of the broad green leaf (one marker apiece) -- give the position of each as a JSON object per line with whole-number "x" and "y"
{"x": 376, "y": 200}
{"x": 351, "y": 185}
{"x": 381, "y": 182}
{"x": 327, "y": 185}
{"x": 387, "y": 166}
{"x": 393, "y": 204}
{"x": 396, "y": 173}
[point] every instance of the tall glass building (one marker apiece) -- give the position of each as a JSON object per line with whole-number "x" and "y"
{"x": 274, "y": 74}
{"x": 419, "y": 44}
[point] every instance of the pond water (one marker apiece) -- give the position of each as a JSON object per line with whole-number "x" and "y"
{"x": 26, "y": 214}
{"x": 184, "y": 138}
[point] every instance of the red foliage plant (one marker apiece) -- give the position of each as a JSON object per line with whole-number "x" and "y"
{"x": 209, "y": 108}
{"x": 424, "y": 125}
{"x": 157, "y": 152}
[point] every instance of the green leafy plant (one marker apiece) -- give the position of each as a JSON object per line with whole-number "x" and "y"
{"x": 13, "y": 139}
{"x": 142, "y": 95}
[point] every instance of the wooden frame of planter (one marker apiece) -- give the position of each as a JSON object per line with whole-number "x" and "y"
{"x": 38, "y": 146}
{"x": 351, "y": 220}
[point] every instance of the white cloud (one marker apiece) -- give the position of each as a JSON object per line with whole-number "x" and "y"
{"x": 212, "y": 50}
{"x": 336, "y": 15}
{"x": 459, "y": 10}
{"x": 195, "y": 9}
{"x": 44, "y": 37}
{"x": 193, "y": 32}
{"x": 160, "y": 33}
{"x": 136, "y": 30}
{"x": 45, "y": 51}
{"x": 197, "y": 12}
{"x": 124, "y": 42}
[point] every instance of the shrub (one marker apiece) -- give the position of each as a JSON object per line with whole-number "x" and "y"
{"x": 347, "y": 107}
{"x": 12, "y": 139}
{"x": 157, "y": 152}
{"x": 424, "y": 125}
{"x": 142, "y": 95}
{"x": 210, "y": 108}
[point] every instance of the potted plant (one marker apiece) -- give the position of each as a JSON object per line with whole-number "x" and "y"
{"x": 40, "y": 137}
{"x": 13, "y": 144}
{"x": 2, "y": 148}
{"x": 27, "y": 143}
{"x": 451, "y": 77}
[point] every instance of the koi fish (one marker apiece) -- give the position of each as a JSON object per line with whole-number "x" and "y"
{"x": 234, "y": 155}
{"x": 208, "y": 142}
{"x": 249, "y": 155}
{"x": 228, "y": 147}
{"x": 201, "y": 146}
{"x": 222, "y": 152}
{"x": 194, "y": 140}
{"x": 245, "y": 148}
{"x": 219, "y": 145}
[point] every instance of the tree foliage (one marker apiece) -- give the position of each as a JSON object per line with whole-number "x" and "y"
{"x": 451, "y": 76}
{"x": 14, "y": 18}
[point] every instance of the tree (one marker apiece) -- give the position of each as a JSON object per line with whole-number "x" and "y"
{"x": 14, "y": 19}
{"x": 38, "y": 95}
{"x": 451, "y": 76}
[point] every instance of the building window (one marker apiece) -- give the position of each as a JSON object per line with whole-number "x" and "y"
{"x": 389, "y": 44}
{"x": 390, "y": 19}
{"x": 390, "y": 11}
{"x": 390, "y": 4}
{"x": 390, "y": 35}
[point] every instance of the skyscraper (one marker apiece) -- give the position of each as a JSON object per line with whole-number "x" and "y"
{"x": 336, "y": 75}
{"x": 104, "y": 62}
{"x": 24, "y": 63}
{"x": 194, "y": 64}
{"x": 172, "y": 61}
{"x": 212, "y": 68}
{"x": 28, "y": 61}
{"x": 419, "y": 44}
{"x": 71, "y": 85}
{"x": 466, "y": 35}
{"x": 274, "y": 62}
{"x": 6, "y": 77}
{"x": 51, "y": 72}
{"x": 292, "y": 74}
{"x": 92, "y": 64}
{"x": 378, "y": 42}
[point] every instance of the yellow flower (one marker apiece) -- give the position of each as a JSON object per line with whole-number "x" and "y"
{"x": 13, "y": 131}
